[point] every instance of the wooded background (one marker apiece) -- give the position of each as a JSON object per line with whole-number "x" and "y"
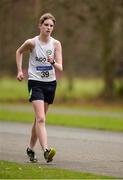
{"x": 91, "y": 33}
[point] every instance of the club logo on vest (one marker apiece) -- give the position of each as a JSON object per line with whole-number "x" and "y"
{"x": 49, "y": 52}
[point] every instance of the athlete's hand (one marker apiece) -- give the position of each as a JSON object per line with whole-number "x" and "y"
{"x": 20, "y": 76}
{"x": 50, "y": 59}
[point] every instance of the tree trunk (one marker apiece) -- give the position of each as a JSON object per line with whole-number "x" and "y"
{"x": 108, "y": 66}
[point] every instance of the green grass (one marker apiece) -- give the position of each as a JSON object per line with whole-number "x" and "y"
{"x": 13, "y": 90}
{"x": 11, "y": 170}
{"x": 104, "y": 123}
{"x": 82, "y": 88}
{"x": 16, "y": 116}
{"x": 77, "y": 120}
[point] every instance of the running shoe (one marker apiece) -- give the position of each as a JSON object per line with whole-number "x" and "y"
{"x": 49, "y": 154}
{"x": 31, "y": 155}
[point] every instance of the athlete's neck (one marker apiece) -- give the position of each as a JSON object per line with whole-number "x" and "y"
{"x": 44, "y": 38}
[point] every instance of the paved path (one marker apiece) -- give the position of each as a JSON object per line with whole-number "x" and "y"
{"x": 93, "y": 151}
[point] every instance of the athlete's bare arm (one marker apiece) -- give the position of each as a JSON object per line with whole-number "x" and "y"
{"x": 58, "y": 56}
{"x": 27, "y": 45}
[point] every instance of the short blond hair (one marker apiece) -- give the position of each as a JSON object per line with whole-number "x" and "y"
{"x": 47, "y": 16}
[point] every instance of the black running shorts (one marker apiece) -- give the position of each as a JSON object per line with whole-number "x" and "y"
{"x": 42, "y": 90}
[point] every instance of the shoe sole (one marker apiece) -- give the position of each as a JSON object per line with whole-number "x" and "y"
{"x": 33, "y": 161}
{"x": 51, "y": 155}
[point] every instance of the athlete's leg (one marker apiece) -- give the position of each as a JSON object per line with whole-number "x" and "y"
{"x": 46, "y": 105}
{"x": 30, "y": 150}
{"x": 48, "y": 153}
{"x": 33, "y": 138}
{"x": 40, "y": 109}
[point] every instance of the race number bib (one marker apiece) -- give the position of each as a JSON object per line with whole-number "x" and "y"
{"x": 44, "y": 71}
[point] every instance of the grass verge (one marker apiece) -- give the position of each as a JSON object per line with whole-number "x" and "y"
{"x": 76, "y": 120}
{"x": 82, "y": 88}
{"x": 11, "y": 170}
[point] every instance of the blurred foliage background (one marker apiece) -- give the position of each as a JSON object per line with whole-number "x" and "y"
{"x": 91, "y": 33}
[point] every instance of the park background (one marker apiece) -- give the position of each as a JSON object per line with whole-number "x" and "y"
{"x": 91, "y": 33}
{"x": 90, "y": 88}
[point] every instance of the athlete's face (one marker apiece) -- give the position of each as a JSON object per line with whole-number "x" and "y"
{"x": 46, "y": 27}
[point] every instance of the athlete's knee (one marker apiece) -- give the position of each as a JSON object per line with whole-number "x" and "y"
{"x": 40, "y": 120}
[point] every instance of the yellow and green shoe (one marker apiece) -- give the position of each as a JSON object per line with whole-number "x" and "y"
{"x": 49, "y": 154}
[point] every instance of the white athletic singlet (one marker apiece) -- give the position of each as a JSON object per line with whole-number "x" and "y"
{"x": 39, "y": 68}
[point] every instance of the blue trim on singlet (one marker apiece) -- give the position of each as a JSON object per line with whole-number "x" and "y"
{"x": 44, "y": 68}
